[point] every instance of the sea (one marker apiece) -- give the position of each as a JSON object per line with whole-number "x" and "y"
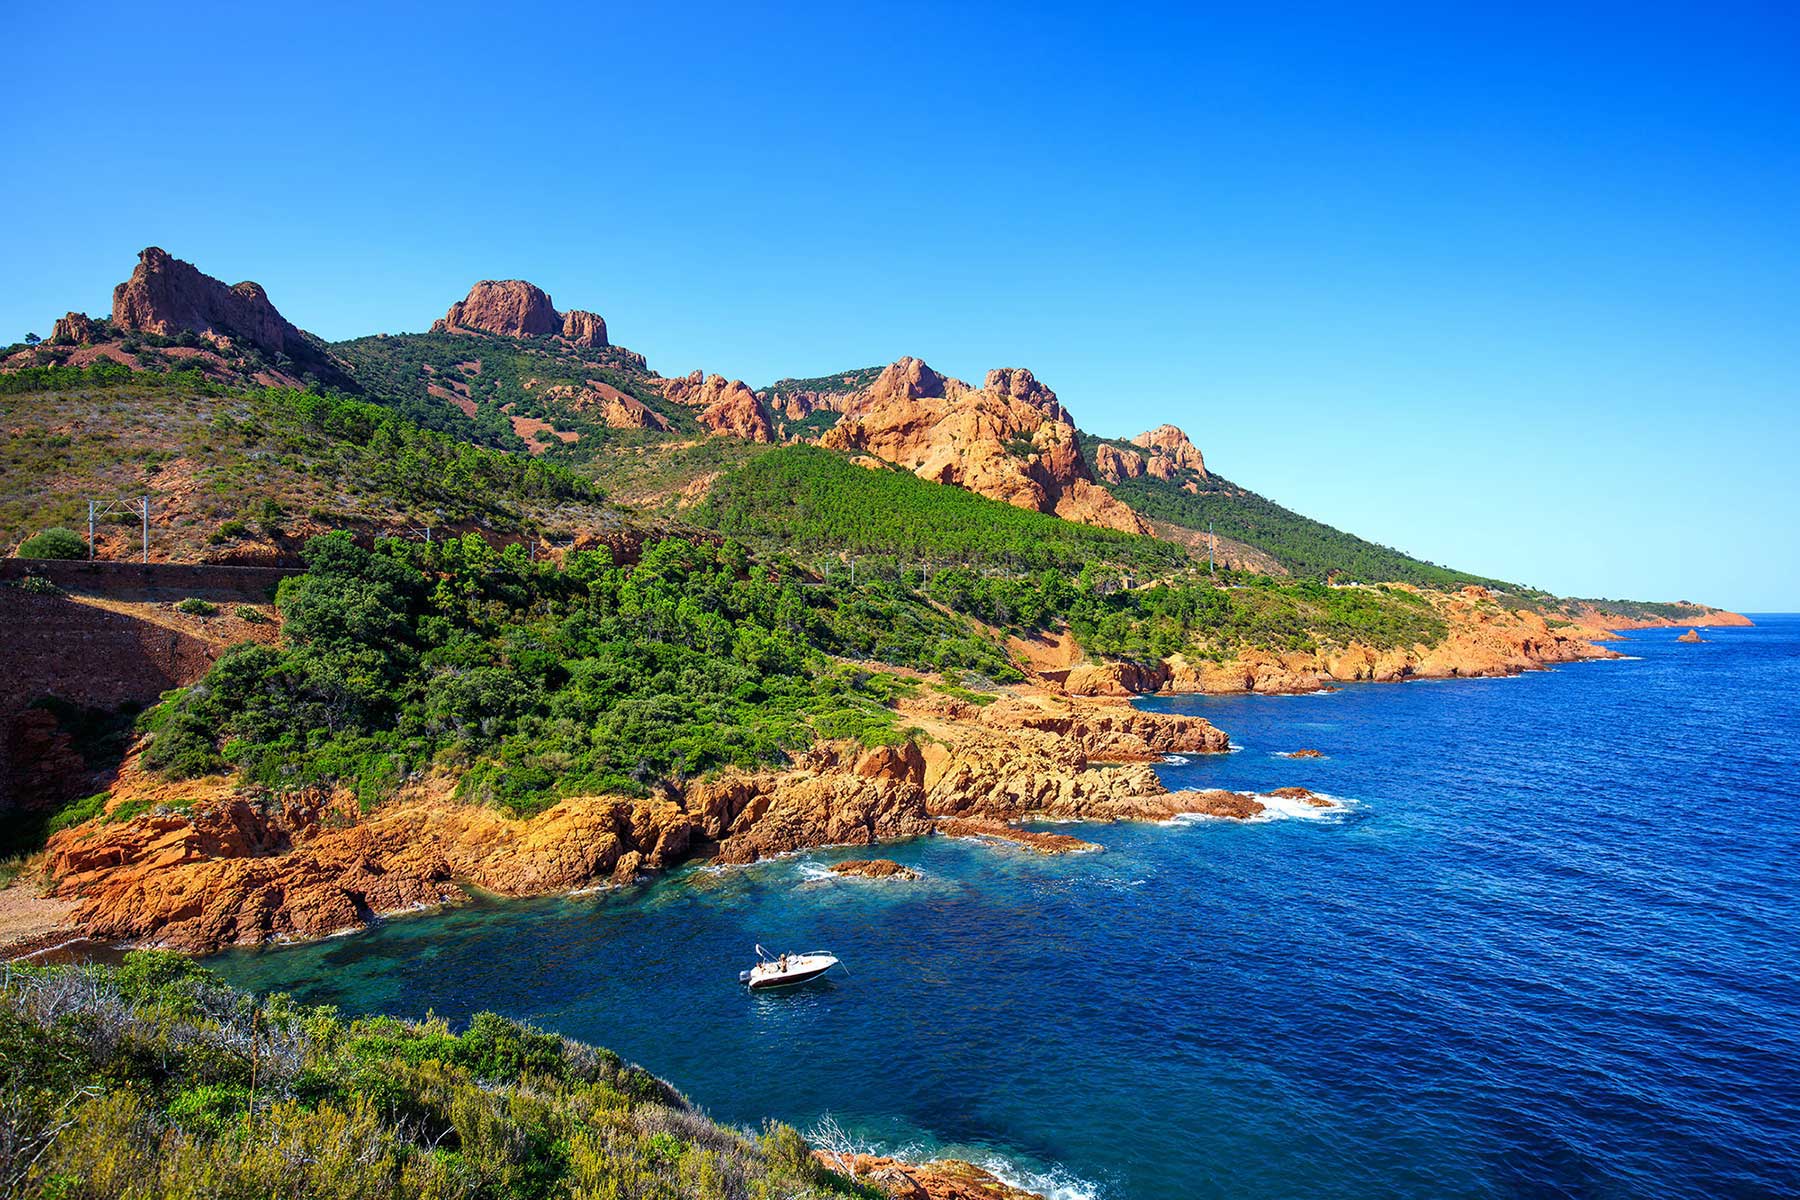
{"x": 1548, "y": 945}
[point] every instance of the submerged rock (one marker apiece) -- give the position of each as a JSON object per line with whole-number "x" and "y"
{"x": 1306, "y": 795}
{"x": 873, "y": 868}
{"x": 1043, "y": 843}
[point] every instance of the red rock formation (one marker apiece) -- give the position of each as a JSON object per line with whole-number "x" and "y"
{"x": 1692, "y": 635}
{"x": 1170, "y": 452}
{"x": 507, "y": 307}
{"x": 1043, "y": 843}
{"x": 167, "y": 296}
{"x": 515, "y": 308}
{"x": 75, "y": 327}
{"x": 1010, "y": 439}
{"x": 726, "y": 406}
{"x": 584, "y": 328}
{"x": 945, "y": 1179}
{"x": 1114, "y": 679}
{"x": 873, "y": 868}
{"x": 1306, "y": 795}
{"x": 1113, "y": 463}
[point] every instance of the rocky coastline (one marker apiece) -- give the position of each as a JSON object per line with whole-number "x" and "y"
{"x": 207, "y": 864}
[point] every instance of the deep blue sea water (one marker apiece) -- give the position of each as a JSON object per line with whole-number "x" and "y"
{"x": 1552, "y": 949}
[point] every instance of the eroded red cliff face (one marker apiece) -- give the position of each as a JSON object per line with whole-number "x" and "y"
{"x": 167, "y": 296}
{"x": 516, "y": 308}
{"x": 1162, "y": 453}
{"x": 1010, "y": 439}
{"x": 726, "y": 406}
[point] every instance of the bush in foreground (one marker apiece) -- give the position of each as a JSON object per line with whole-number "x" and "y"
{"x": 54, "y": 543}
{"x": 155, "y": 1080}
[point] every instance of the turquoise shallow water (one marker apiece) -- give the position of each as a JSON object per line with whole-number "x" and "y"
{"x": 1550, "y": 950}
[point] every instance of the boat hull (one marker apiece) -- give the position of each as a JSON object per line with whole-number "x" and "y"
{"x": 791, "y": 979}
{"x": 798, "y": 970}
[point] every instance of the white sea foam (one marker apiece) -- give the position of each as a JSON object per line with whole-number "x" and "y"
{"x": 1056, "y": 1183}
{"x": 1176, "y": 760}
{"x": 1277, "y": 808}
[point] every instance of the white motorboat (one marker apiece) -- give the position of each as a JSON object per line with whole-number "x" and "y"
{"x": 786, "y": 970}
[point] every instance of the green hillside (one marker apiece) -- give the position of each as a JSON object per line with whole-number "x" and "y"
{"x": 425, "y": 375}
{"x": 228, "y": 468}
{"x": 1300, "y": 544}
{"x": 811, "y": 502}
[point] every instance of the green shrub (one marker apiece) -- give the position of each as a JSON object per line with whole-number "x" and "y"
{"x": 233, "y": 528}
{"x": 153, "y": 1080}
{"x": 196, "y": 607}
{"x": 252, "y": 614}
{"x": 37, "y": 585}
{"x": 76, "y": 812}
{"x": 54, "y": 543}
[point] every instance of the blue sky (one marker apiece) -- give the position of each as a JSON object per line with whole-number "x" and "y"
{"x": 1513, "y": 288}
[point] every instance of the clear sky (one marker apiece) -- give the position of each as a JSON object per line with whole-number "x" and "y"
{"x": 1511, "y": 287}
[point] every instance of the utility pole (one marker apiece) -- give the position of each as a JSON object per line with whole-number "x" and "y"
{"x": 97, "y": 508}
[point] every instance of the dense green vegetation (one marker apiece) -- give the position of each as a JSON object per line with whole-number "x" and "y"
{"x": 813, "y": 425}
{"x": 513, "y": 378}
{"x": 1259, "y": 611}
{"x": 221, "y": 461}
{"x": 1300, "y": 544}
{"x": 154, "y": 1081}
{"x": 310, "y": 362}
{"x": 536, "y": 680}
{"x": 1191, "y": 615}
{"x": 54, "y": 543}
{"x": 816, "y": 503}
{"x": 843, "y": 381}
{"x": 1629, "y": 609}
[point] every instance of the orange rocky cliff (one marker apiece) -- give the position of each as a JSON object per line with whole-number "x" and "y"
{"x": 213, "y": 864}
{"x": 944, "y": 1179}
{"x": 726, "y": 407}
{"x": 515, "y": 308}
{"x": 1161, "y": 453}
{"x": 1010, "y": 439}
